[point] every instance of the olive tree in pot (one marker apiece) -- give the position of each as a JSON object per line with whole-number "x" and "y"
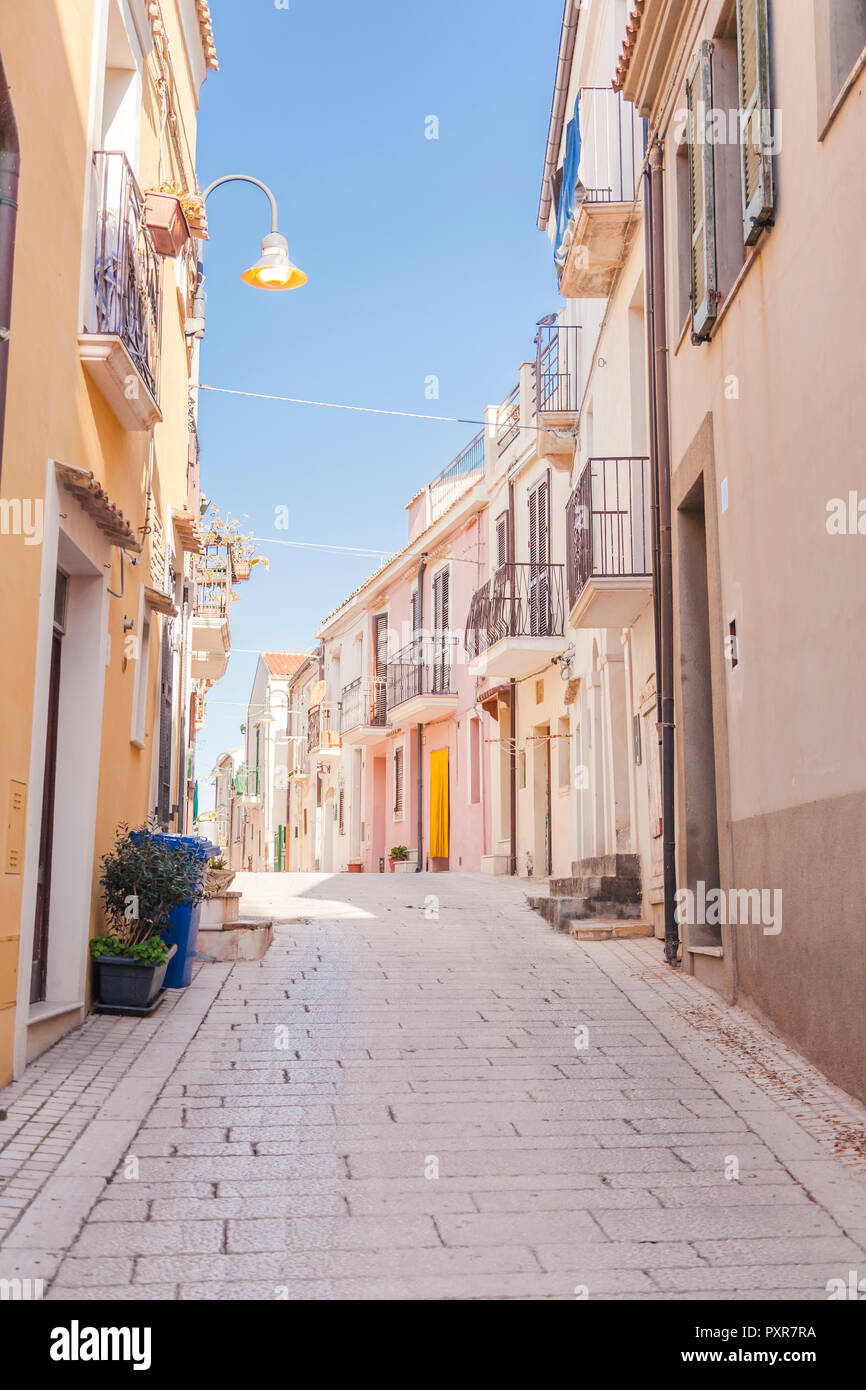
{"x": 144, "y": 878}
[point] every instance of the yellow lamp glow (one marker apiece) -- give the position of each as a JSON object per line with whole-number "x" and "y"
{"x": 274, "y": 271}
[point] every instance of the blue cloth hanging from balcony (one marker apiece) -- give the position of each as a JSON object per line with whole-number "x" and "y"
{"x": 572, "y": 192}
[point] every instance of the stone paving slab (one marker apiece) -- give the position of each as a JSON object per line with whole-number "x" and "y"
{"x": 390, "y": 1106}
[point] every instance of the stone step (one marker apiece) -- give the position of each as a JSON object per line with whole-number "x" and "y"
{"x": 559, "y": 911}
{"x": 612, "y": 929}
{"x": 608, "y": 865}
{"x": 622, "y": 888}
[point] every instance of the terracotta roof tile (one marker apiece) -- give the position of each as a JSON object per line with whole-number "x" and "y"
{"x": 284, "y": 664}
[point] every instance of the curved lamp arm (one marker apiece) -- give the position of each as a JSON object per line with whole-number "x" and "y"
{"x": 245, "y": 178}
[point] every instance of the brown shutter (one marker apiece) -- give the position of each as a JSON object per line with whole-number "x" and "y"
{"x": 753, "y": 62}
{"x": 398, "y": 781}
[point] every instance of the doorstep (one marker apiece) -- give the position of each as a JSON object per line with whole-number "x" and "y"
{"x": 48, "y": 1021}
{"x": 615, "y": 929}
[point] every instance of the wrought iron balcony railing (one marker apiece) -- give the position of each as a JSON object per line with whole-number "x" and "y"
{"x": 508, "y": 420}
{"x": 610, "y": 146}
{"x": 323, "y": 727}
{"x": 608, "y": 523}
{"x": 247, "y": 781}
{"x": 421, "y": 668}
{"x": 364, "y": 703}
{"x": 556, "y": 369}
{"x": 522, "y": 600}
{"x": 126, "y": 271}
{"x": 460, "y": 475}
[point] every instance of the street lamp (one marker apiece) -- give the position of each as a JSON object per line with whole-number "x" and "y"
{"x": 273, "y": 271}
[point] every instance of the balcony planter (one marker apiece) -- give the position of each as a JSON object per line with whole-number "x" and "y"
{"x": 241, "y": 567}
{"x": 126, "y": 985}
{"x": 168, "y": 227}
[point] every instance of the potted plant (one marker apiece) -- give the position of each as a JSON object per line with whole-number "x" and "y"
{"x": 398, "y": 853}
{"x": 145, "y": 879}
{"x": 219, "y": 877}
{"x": 166, "y": 221}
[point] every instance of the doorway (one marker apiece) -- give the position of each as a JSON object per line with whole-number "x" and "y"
{"x": 542, "y": 805}
{"x": 39, "y": 971}
{"x": 696, "y": 717}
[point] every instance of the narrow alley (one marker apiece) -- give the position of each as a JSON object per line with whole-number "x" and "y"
{"x": 423, "y": 1092}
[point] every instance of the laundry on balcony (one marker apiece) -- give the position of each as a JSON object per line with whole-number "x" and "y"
{"x": 572, "y": 192}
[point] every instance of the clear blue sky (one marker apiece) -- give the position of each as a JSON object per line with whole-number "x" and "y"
{"x": 423, "y": 258}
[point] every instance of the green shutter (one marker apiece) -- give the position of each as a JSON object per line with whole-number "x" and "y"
{"x": 702, "y": 192}
{"x": 753, "y": 62}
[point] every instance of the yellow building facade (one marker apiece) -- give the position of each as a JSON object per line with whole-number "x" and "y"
{"x": 100, "y": 495}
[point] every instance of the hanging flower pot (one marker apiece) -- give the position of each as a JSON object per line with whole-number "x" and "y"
{"x": 168, "y": 227}
{"x": 241, "y": 566}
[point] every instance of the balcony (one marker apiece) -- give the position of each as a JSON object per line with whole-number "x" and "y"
{"x": 508, "y": 421}
{"x": 609, "y": 539}
{"x": 364, "y": 712}
{"x": 323, "y": 731}
{"x": 516, "y": 621}
{"x": 120, "y": 348}
{"x": 210, "y": 627}
{"x": 247, "y": 786}
{"x": 419, "y": 687}
{"x": 556, "y": 375}
{"x": 597, "y": 217}
{"x": 455, "y": 480}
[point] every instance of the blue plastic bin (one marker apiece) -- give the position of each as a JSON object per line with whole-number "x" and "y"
{"x": 183, "y": 923}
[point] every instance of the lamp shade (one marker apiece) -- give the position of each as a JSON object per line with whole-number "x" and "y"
{"x": 274, "y": 271}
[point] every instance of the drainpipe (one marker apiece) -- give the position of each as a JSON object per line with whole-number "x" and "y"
{"x": 512, "y": 710}
{"x": 419, "y": 614}
{"x": 10, "y": 164}
{"x": 663, "y": 595}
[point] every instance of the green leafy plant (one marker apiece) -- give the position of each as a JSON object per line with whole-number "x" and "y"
{"x": 217, "y": 863}
{"x": 153, "y": 951}
{"x": 398, "y": 852}
{"x": 143, "y": 880}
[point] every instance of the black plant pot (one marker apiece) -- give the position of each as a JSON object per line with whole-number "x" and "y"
{"x": 123, "y": 983}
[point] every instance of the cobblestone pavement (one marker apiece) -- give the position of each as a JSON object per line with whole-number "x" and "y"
{"x": 424, "y": 1092}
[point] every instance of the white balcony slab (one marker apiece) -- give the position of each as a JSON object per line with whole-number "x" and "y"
{"x": 611, "y": 602}
{"x": 515, "y": 657}
{"x": 422, "y": 709}
{"x": 366, "y": 735}
{"x": 112, "y": 370}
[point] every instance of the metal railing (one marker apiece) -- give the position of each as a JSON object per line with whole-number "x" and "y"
{"x": 460, "y": 475}
{"x": 364, "y": 703}
{"x": 522, "y": 600}
{"x": 323, "y": 727}
{"x": 247, "y": 781}
{"x": 126, "y": 273}
{"x": 212, "y": 583}
{"x": 610, "y": 146}
{"x": 421, "y": 668}
{"x": 508, "y": 420}
{"x": 556, "y": 386}
{"x": 608, "y": 522}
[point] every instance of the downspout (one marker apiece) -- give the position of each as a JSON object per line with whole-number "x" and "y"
{"x": 10, "y": 164}
{"x": 512, "y": 712}
{"x": 419, "y": 617}
{"x": 663, "y": 577}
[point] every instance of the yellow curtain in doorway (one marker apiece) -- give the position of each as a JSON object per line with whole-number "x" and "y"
{"x": 439, "y": 804}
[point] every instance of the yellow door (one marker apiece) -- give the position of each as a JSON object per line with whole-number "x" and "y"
{"x": 439, "y": 804}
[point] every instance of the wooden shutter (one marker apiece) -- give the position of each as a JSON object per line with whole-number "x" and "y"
{"x": 166, "y": 699}
{"x": 380, "y": 665}
{"x": 441, "y": 617}
{"x": 398, "y": 781}
{"x": 502, "y": 540}
{"x": 702, "y": 194}
{"x": 539, "y": 558}
{"x": 753, "y": 64}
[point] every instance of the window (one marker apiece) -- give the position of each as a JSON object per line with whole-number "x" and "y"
{"x": 142, "y": 670}
{"x": 729, "y": 196}
{"x": 398, "y": 783}
{"x": 502, "y": 540}
{"x": 840, "y": 43}
{"x": 441, "y": 633}
{"x": 540, "y": 611}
